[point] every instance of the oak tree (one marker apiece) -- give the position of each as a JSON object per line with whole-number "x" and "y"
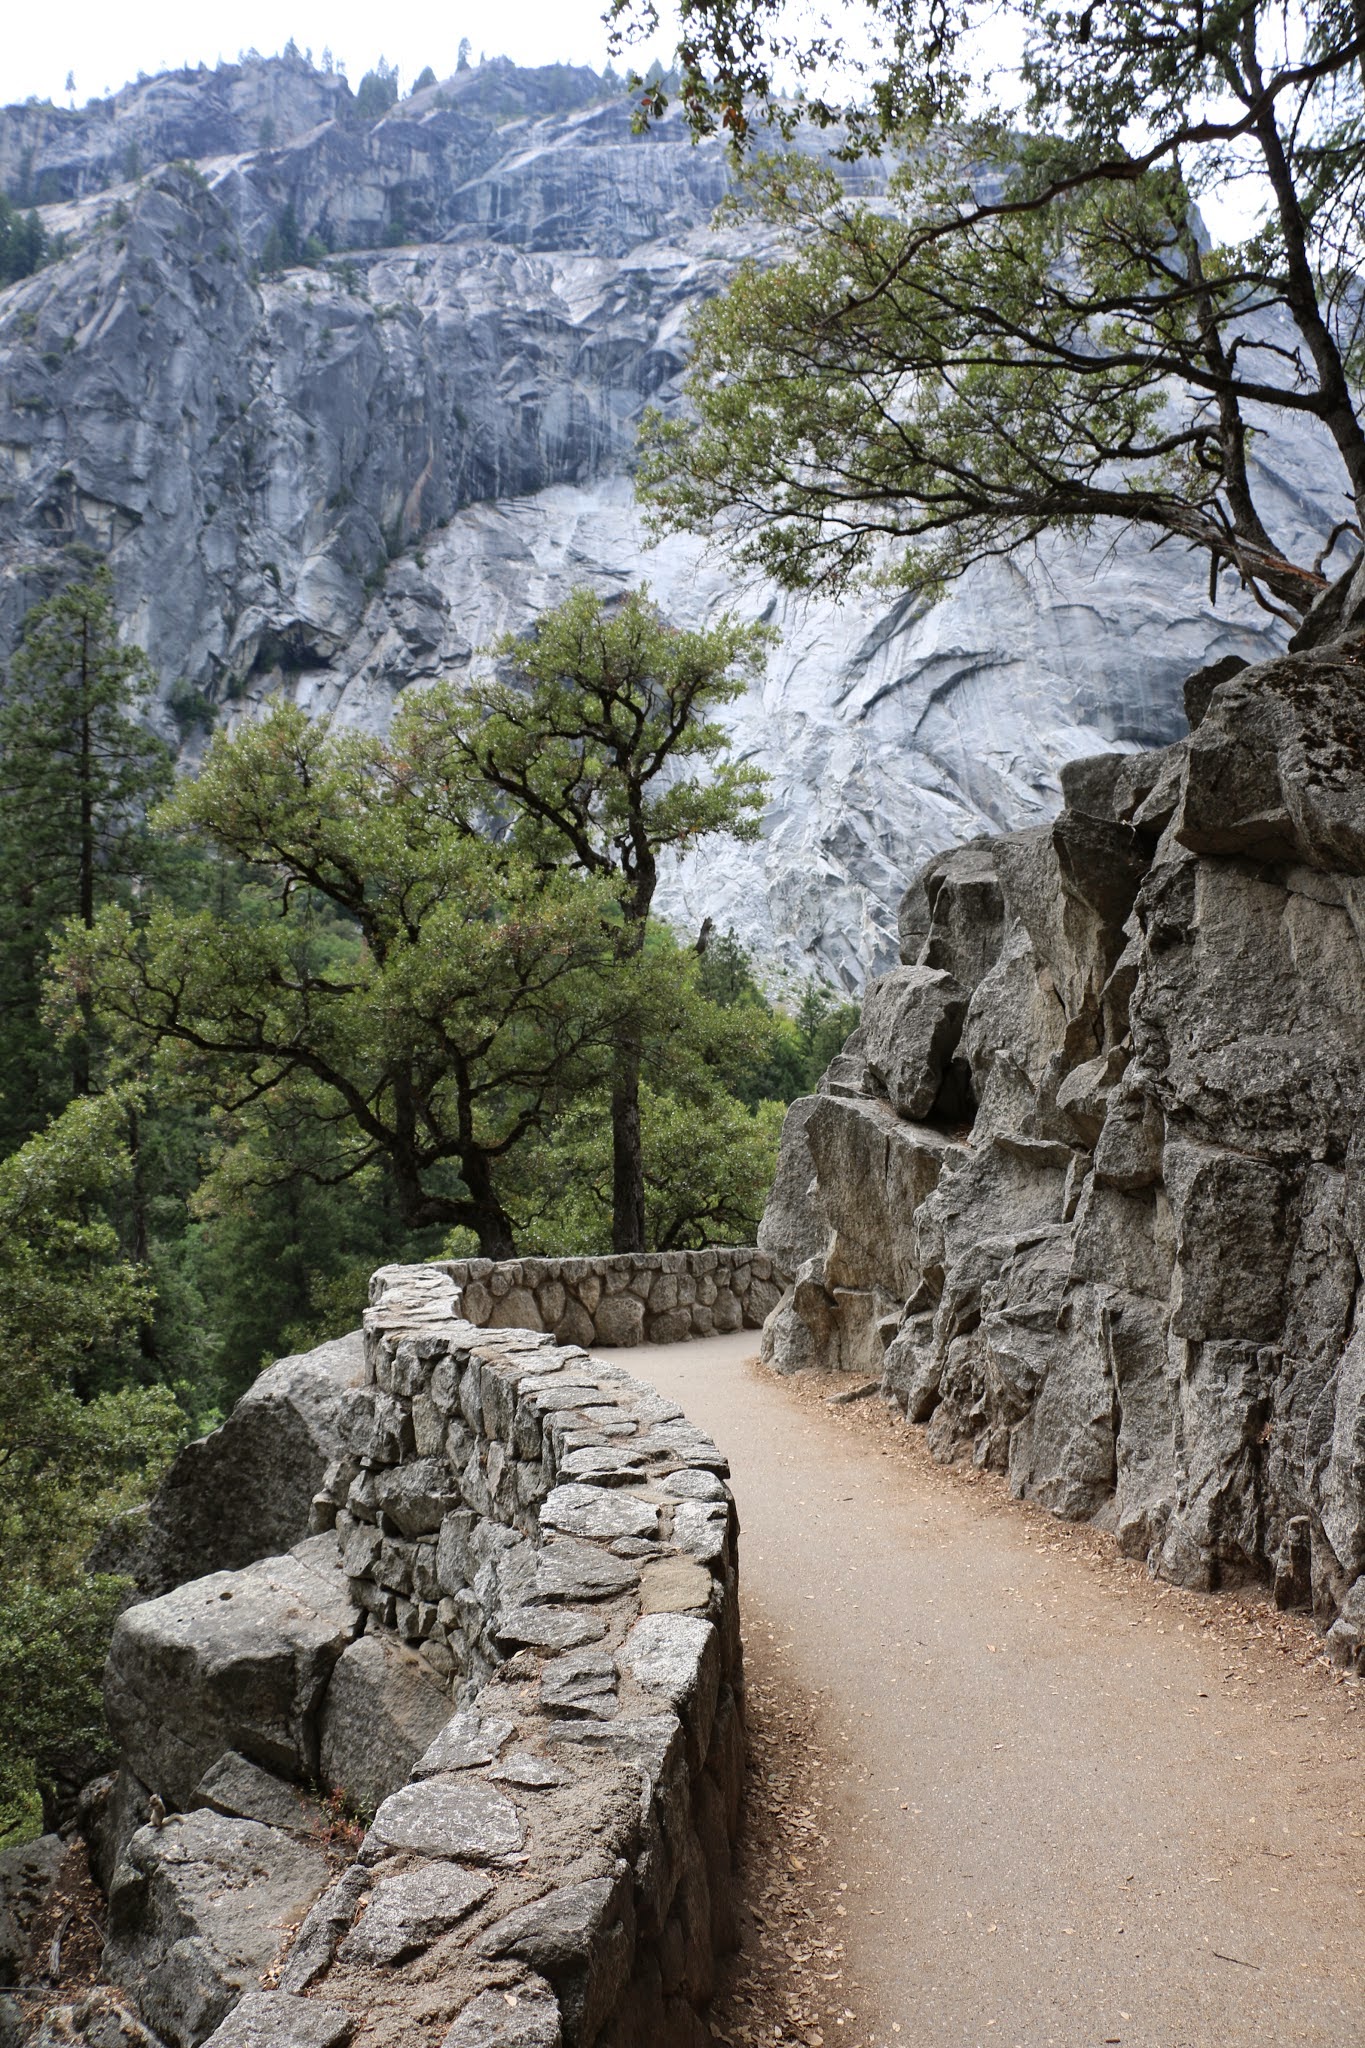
{"x": 597, "y": 747}
{"x": 1029, "y": 328}
{"x": 388, "y": 988}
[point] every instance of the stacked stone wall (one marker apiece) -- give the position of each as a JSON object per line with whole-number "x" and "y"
{"x": 625, "y": 1298}
{"x": 512, "y": 1637}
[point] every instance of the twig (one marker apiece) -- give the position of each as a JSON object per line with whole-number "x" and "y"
{"x": 1241, "y": 1961}
{"x": 54, "y": 1954}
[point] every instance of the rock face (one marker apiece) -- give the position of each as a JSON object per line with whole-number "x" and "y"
{"x": 382, "y": 1710}
{"x": 198, "y": 1910}
{"x": 51, "y": 153}
{"x": 245, "y": 1657}
{"x": 27, "y": 1875}
{"x": 246, "y": 1491}
{"x": 338, "y": 481}
{"x": 1133, "y": 1282}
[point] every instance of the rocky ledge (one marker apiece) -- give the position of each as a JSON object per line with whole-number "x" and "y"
{"x": 1086, "y": 1189}
{"x": 464, "y": 1765}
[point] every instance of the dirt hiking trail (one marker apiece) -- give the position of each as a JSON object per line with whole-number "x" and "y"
{"x": 1069, "y": 1807}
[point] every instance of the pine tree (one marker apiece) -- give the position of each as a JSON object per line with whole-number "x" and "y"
{"x": 23, "y": 242}
{"x": 77, "y": 773}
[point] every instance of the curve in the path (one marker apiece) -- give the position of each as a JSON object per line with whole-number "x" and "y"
{"x": 1065, "y": 1825}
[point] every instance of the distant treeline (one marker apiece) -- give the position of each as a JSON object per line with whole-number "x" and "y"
{"x": 25, "y": 245}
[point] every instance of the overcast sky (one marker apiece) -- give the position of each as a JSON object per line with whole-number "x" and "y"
{"x": 104, "y": 45}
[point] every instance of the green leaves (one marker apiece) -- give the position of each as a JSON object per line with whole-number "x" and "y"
{"x": 386, "y": 987}
{"x": 599, "y": 746}
{"x": 77, "y": 772}
{"x": 76, "y": 1446}
{"x": 860, "y": 71}
{"x": 598, "y": 754}
{"x": 1029, "y": 330}
{"x": 66, "y": 1294}
{"x": 24, "y": 244}
{"x": 897, "y": 397}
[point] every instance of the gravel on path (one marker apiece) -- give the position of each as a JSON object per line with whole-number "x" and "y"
{"x": 1008, "y": 1790}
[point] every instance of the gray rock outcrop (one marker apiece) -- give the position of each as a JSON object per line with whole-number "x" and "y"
{"x": 245, "y": 1658}
{"x": 383, "y": 1709}
{"x": 27, "y": 1875}
{"x": 1133, "y": 1283}
{"x": 246, "y": 1491}
{"x": 198, "y": 1910}
{"x": 274, "y": 2019}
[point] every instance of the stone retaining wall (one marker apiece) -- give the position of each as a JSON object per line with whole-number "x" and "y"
{"x": 545, "y": 1551}
{"x": 627, "y": 1298}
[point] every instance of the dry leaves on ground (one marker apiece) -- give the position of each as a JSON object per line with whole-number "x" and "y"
{"x": 785, "y": 1988}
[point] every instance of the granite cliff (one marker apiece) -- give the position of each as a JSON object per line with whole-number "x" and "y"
{"x": 1084, "y": 1190}
{"x": 338, "y": 479}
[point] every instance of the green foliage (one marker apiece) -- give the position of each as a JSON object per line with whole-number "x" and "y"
{"x": 77, "y": 772}
{"x": 823, "y": 1024}
{"x": 274, "y": 1266}
{"x": 389, "y": 988}
{"x": 377, "y": 91}
{"x": 189, "y": 169}
{"x": 603, "y": 743}
{"x": 425, "y": 77}
{"x": 788, "y": 1059}
{"x": 600, "y": 751}
{"x": 24, "y": 244}
{"x": 696, "y": 1055}
{"x": 1033, "y": 332}
{"x": 708, "y": 1166}
{"x": 78, "y": 1443}
{"x": 284, "y": 246}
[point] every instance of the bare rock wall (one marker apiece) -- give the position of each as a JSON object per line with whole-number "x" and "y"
{"x": 1099, "y": 1225}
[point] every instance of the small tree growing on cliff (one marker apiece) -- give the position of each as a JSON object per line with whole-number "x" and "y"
{"x": 599, "y": 748}
{"x": 377, "y": 91}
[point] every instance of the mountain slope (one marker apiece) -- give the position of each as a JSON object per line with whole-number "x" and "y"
{"x": 341, "y": 479}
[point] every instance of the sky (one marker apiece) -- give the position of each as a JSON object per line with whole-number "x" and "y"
{"x": 104, "y": 46}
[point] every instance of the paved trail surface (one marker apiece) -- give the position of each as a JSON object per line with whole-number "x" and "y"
{"x": 1070, "y": 1807}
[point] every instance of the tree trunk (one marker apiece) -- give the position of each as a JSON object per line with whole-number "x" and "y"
{"x": 1337, "y": 406}
{"x": 627, "y": 1152}
{"x": 490, "y": 1220}
{"x": 627, "y": 1155}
